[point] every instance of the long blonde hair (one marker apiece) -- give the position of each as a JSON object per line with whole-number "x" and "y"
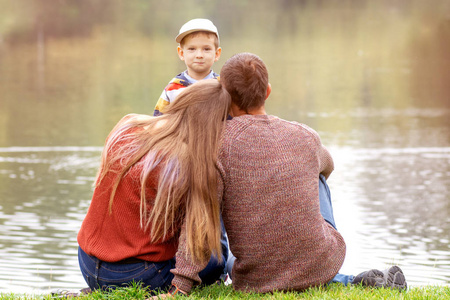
{"x": 183, "y": 144}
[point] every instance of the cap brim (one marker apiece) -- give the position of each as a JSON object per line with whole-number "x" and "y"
{"x": 182, "y": 35}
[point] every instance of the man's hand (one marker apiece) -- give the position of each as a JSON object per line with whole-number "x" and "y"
{"x": 161, "y": 296}
{"x": 174, "y": 290}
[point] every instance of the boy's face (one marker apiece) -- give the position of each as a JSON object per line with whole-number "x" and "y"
{"x": 199, "y": 54}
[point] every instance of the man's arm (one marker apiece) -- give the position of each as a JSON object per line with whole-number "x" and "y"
{"x": 186, "y": 269}
{"x": 326, "y": 164}
{"x": 326, "y": 161}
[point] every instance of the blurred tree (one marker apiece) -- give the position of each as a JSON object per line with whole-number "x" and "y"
{"x": 55, "y": 18}
{"x": 429, "y": 48}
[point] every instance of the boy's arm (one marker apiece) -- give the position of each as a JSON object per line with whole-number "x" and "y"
{"x": 161, "y": 105}
{"x": 171, "y": 91}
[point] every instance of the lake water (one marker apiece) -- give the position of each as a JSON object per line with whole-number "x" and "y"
{"x": 372, "y": 79}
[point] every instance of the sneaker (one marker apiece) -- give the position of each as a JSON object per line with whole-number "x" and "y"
{"x": 390, "y": 278}
{"x": 395, "y": 279}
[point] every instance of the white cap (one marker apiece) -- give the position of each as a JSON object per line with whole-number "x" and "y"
{"x": 196, "y": 25}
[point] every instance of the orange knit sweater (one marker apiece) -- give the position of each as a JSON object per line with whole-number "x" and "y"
{"x": 117, "y": 236}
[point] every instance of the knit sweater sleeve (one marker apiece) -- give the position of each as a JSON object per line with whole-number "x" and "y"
{"x": 326, "y": 164}
{"x": 326, "y": 161}
{"x": 186, "y": 269}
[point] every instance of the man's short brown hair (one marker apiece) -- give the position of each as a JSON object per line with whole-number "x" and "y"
{"x": 245, "y": 77}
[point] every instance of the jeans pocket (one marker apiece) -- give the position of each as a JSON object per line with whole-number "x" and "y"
{"x": 161, "y": 277}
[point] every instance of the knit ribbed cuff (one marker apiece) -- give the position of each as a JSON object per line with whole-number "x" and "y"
{"x": 183, "y": 283}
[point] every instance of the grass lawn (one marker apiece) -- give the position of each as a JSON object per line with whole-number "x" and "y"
{"x": 334, "y": 291}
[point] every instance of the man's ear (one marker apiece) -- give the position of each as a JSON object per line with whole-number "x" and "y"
{"x": 180, "y": 53}
{"x": 269, "y": 90}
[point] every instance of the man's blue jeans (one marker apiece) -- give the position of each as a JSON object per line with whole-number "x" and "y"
{"x": 326, "y": 209}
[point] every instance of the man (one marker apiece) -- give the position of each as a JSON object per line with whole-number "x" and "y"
{"x": 276, "y": 204}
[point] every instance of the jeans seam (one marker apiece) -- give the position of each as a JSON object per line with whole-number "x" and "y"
{"x": 85, "y": 267}
{"x": 138, "y": 266}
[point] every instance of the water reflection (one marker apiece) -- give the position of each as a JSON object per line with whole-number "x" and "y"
{"x": 391, "y": 205}
{"x": 44, "y": 194}
{"x": 382, "y": 127}
{"x": 403, "y": 212}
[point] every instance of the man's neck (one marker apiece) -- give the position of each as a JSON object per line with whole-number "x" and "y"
{"x": 236, "y": 111}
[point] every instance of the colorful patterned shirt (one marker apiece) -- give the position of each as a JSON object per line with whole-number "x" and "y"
{"x": 174, "y": 88}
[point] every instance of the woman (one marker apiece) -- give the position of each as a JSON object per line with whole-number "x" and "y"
{"x": 157, "y": 175}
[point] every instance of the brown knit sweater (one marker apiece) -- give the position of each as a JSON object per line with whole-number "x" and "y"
{"x": 270, "y": 172}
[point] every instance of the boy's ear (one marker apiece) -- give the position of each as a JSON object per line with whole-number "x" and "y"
{"x": 218, "y": 52}
{"x": 180, "y": 53}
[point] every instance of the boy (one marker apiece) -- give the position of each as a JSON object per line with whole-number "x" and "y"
{"x": 199, "y": 48}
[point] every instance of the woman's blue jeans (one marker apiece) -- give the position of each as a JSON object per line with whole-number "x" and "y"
{"x": 102, "y": 275}
{"x": 326, "y": 209}
{"x": 155, "y": 275}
